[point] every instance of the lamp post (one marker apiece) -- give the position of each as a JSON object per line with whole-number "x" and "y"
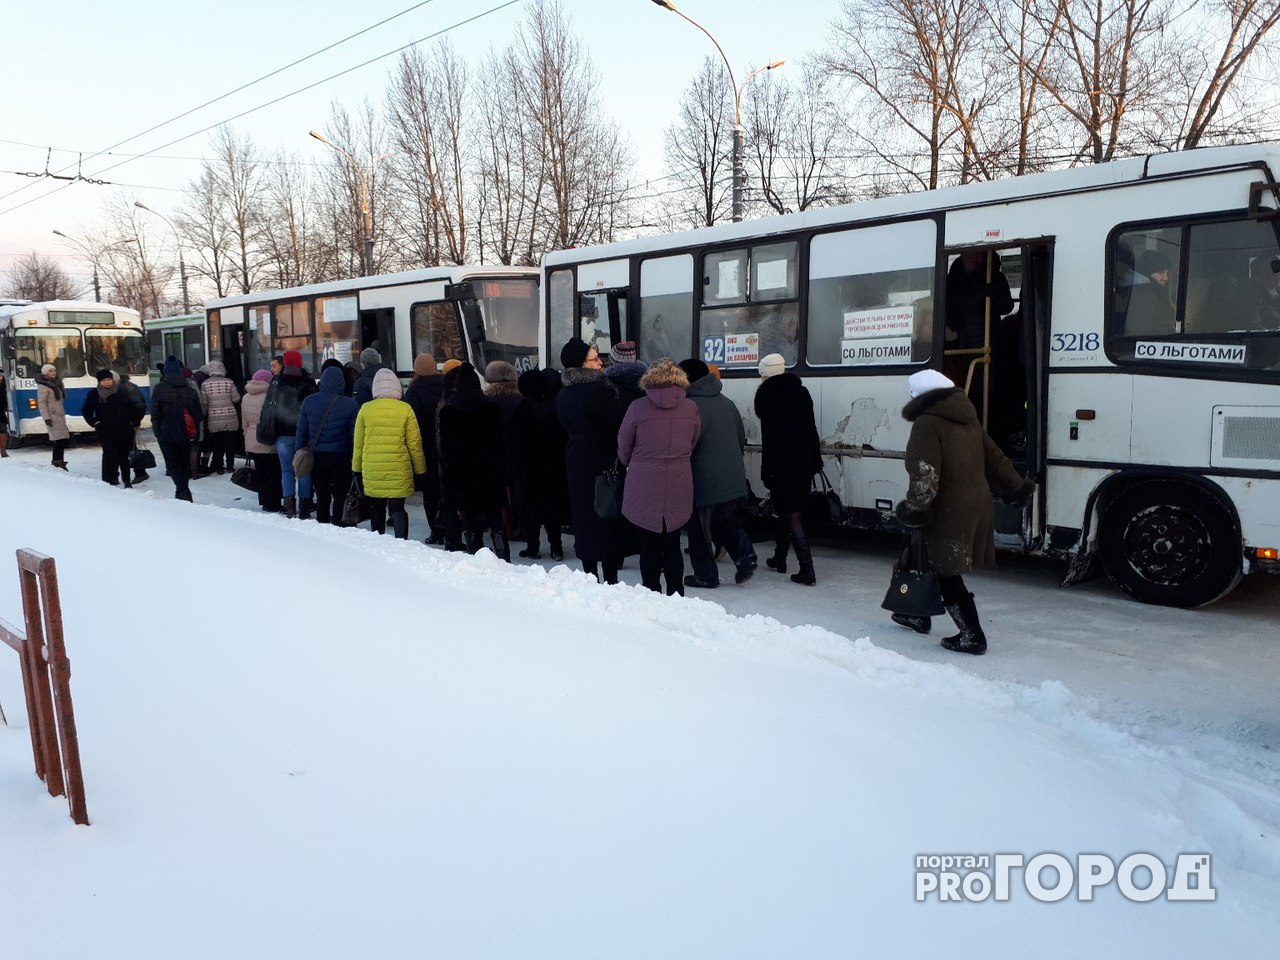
{"x": 738, "y": 172}
{"x": 182, "y": 263}
{"x": 93, "y": 256}
{"x": 366, "y": 266}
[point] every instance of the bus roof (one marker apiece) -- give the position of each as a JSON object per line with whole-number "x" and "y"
{"x": 980, "y": 193}
{"x": 450, "y": 274}
{"x": 18, "y": 310}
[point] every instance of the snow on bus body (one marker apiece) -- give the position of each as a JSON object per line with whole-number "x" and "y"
{"x": 78, "y": 337}
{"x": 1154, "y": 434}
{"x": 476, "y": 313}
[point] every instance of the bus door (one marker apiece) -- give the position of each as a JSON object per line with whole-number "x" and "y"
{"x": 378, "y": 330}
{"x": 602, "y": 319}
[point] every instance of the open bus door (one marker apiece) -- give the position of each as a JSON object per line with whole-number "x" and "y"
{"x": 602, "y": 316}
{"x": 378, "y": 330}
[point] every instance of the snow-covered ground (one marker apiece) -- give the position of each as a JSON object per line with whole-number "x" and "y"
{"x": 300, "y": 741}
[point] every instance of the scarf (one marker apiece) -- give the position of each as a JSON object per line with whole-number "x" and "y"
{"x": 54, "y": 383}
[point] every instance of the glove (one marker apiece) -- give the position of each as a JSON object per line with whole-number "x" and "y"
{"x": 1022, "y": 496}
{"x": 912, "y": 518}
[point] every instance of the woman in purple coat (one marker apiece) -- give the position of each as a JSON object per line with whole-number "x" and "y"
{"x": 655, "y": 444}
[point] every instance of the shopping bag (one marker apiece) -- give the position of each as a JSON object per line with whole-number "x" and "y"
{"x": 608, "y": 493}
{"x": 245, "y": 476}
{"x": 823, "y": 505}
{"x": 141, "y": 459}
{"x": 913, "y": 587}
{"x": 355, "y": 509}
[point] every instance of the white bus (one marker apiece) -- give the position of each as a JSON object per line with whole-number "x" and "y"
{"x": 1147, "y": 411}
{"x": 186, "y": 337}
{"x": 77, "y": 337}
{"x": 476, "y": 313}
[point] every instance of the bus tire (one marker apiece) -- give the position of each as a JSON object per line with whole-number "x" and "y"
{"x": 1170, "y": 544}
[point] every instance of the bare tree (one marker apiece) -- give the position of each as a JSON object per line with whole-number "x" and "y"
{"x": 293, "y": 250}
{"x": 39, "y": 278}
{"x": 699, "y": 149}
{"x": 139, "y": 273}
{"x": 207, "y": 231}
{"x": 356, "y": 177}
{"x": 237, "y": 184}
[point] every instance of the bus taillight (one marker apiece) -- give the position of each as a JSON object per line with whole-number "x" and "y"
{"x": 1266, "y": 553}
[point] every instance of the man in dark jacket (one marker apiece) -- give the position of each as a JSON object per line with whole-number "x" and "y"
{"x": 952, "y": 467}
{"x": 139, "y": 405}
{"x": 423, "y": 395}
{"x": 790, "y": 455}
{"x": 371, "y": 363}
{"x": 536, "y": 442}
{"x": 719, "y": 482}
{"x": 175, "y": 420}
{"x": 284, "y": 405}
{"x": 108, "y": 410}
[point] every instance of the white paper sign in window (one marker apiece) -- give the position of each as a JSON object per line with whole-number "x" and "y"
{"x": 880, "y": 322}
{"x": 771, "y": 275}
{"x": 880, "y": 350}
{"x": 1189, "y": 352}
{"x": 729, "y": 280}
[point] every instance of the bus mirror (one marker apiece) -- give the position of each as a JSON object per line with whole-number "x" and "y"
{"x": 459, "y": 291}
{"x": 473, "y": 321}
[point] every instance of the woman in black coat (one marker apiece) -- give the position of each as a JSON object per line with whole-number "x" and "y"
{"x": 591, "y": 414}
{"x": 536, "y": 442}
{"x": 790, "y": 455}
{"x": 423, "y": 395}
{"x": 175, "y": 417}
{"x": 470, "y": 436}
{"x": 111, "y": 413}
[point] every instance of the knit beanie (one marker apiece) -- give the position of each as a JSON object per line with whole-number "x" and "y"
{"x": 922, "y": 381}
{"x": 772, "y": 365}
{"x": 574, "y": 353}
{"x": 713, "y": 370}
{"x": 424, "y": 365}
{"x": 694, "y": 369}
{"x": 172, "y": 366}
{"x": 292, "y": 358}
{"x": 262, "y": 376}
{"x": 624, "y": 352}
{"x": 453, "y": 363}
{"x": 386, "y": 385}
{"x": 533, "y": 384}
{"x": 369, "y": 356}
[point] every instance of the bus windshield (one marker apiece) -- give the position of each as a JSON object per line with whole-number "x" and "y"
{"x": 509, "y": 307}
{"x": 63, "y": 348}
{"x": 122, "y": 351}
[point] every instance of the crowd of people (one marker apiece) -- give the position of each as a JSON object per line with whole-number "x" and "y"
{"x": 511, "y": 456}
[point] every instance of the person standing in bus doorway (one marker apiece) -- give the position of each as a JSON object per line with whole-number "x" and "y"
{"x": 108, "y": 411}
{"x": 952, "y": 467}
{"x": 966, "y": 311}
{"x": 50, "y": 401}
{"x": 266, "y": 465}
{"x": 790, "y": 455}
{"x": 283, "y": 404}
{"x": 222, "y": 422}
{"x": 175, "y": 419}
{"x": 370, "y": 363}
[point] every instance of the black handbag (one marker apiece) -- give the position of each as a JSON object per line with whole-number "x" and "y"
{"x": 823, "y": 504}
{"x": 913, "y": 588}
{"x": 140, "y": 459}
{"x": 355, "y": 509}
{"x": 246, "y": 476}
{"x": 608, "y": 492}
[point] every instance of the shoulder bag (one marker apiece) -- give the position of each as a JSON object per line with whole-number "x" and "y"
{"x": 823, "y": 505}
{"x": 355, "y": 509}
{"x": 608, "y": 492}
{"x": 305, "y": 458}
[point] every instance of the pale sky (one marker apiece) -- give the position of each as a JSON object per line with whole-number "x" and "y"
{"x": 84, "y": 76}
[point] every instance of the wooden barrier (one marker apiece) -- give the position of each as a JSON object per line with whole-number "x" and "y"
{"x": 46, "y": 681}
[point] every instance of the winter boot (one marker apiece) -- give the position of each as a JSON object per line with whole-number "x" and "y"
{"x": 308, "y": 506}
{"x": 779, "y": 559}
{"x": 557, "y": 550}
{"x": 399, "y": 524}
{"x": 290, "y": 507}
{"x": 60, "y": 464}
{"x": 911, "y": 622}
{"x": 501, "y": 545}
{"x": 970, "y": 639}
{"x": 806, "y": 575}
{"x": 532, "y": 549}
{"x": 471, "y": 541}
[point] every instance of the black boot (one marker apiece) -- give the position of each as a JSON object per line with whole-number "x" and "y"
{"x": 290, "y": 507}
{"x": 779, "y": 559}
{"x": 918, "y": 624}
{"x": 471, "y": 541}
{"x": 399, "y": 524}
{"x": 307, "y": 506}
{"x": 970, "y": 639}
{"x": 805, "y": 558}
{"x": 501, "y": 546}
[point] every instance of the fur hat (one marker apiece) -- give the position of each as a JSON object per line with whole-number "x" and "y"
{"x": 386, "y": 385}
{"x": 624, "y": 352}
{"x": 104, "y": 374}
{"x": 772, "y": 365}
{"x": 292, "y": 358}
{"x": 262, "y": 376}
{"x": 533, "y": 385}
{"x": 369, "y": 356}
{"x": 499, "y": 371}
{"x": 574, "y": 353}
{"x": 694, "y": 369}
{"x": 453, "y": 363}
{"x": 424, "y": 365}
{"x": 922, "y": 381}
{"x": 664, "y": 373}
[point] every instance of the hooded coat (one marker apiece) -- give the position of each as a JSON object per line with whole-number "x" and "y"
{"x": 170, "y": 399}
{"x": 590, "y": 412}
{"x": 790, "y": 452}
{"x": 388, "y": 446}
{"x": 221, "y": 399}
{"x": 338, "y": 423}
{"x": 255, "y": 392}
{"x": 719, "y": 475}
{"x": 471, "y": 447}
{"x": 656, "y": 442}
{"x": 952, "y": 467}
{"x": 50, "y": 397}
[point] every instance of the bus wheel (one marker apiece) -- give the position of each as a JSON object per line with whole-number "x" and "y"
{"x": 1170, "y": 544}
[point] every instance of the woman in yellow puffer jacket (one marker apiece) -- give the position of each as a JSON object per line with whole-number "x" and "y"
{"x": 387, "y": 454}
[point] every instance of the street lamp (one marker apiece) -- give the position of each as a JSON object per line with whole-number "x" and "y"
{"x": 182, "y": 263}
{"x": 367, "y": 263}
{"x": 93, "y": 256}
{"x": 738, "y": 173}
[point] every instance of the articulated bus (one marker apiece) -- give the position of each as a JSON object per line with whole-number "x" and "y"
{"x": 79, "y": 338}
{"x": 476, "y": 313}
{"x": 1145, "y": 405}
{"x": 186, "y": 337}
